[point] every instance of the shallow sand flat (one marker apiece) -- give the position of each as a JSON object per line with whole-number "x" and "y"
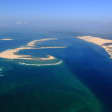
{"x": 47, "y": 58}
{"x": 104, "y": 43}
{"x": 1, "y": 70}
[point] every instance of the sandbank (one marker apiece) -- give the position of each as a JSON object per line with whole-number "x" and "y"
{"x": 104, "y": 43}
{"x": 13, "y": 53}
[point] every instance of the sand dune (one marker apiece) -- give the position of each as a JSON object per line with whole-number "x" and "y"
{"x": 104, "y": 43}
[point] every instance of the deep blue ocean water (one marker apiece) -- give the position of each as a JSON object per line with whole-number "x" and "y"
{"x": 83, "y": 83}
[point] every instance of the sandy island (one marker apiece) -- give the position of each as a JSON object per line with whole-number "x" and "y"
{"x": 104, "y": 43}
{"x": 13, "y": 53}
{"x": 34, "y": 42}
{"x": 6, "y": 39}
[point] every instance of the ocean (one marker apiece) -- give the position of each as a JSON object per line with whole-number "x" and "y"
{"x": 77, "y": 79}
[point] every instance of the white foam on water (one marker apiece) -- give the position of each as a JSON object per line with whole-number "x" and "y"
{"x": 49, "y": 64}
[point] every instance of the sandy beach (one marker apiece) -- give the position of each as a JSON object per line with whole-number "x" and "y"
{"x": 13, "y": 53}
{"x": 104, "y": 43}
{"x": 32, "y": 43}
{"x": 6, "y": 39}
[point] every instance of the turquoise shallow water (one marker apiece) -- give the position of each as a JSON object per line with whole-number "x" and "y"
{"x": 44, "y": 89}
{"x": 59, "y": 88}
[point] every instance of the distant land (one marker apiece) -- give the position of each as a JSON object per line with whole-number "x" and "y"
{"x": 104, "y": 43}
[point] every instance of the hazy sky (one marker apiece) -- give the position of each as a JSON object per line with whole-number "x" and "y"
{"x": 64, "y": 14}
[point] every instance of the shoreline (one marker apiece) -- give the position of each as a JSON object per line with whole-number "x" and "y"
{"x": 13, "y": 53}
{"x": 104, "y": 43}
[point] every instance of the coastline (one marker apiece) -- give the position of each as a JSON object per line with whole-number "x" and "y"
{"x": 104, "y": 43}
{"x": 13, "y": 53}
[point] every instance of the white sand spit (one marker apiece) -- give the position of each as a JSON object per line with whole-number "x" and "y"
{"x": 104, "y": 43}
{"x": 13, "y": 53}
{"x": 32, "y": 43}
